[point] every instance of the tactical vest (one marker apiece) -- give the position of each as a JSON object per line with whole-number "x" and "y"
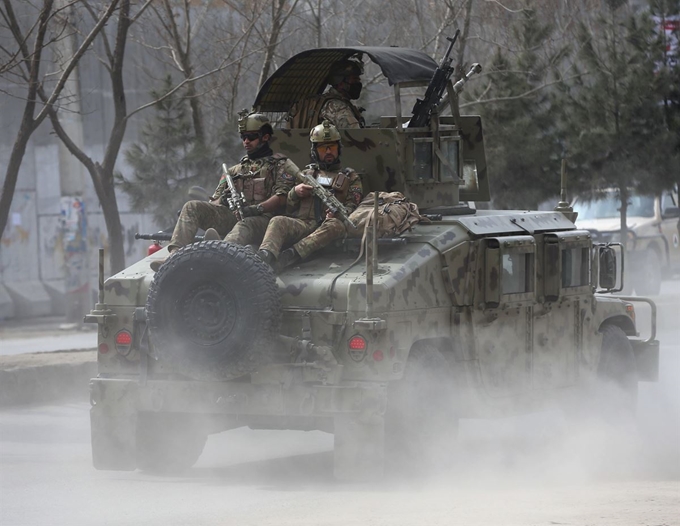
{"x": 256, "y": 177}
{"x": 306, "y": 113}
{"x": 312, "y": 207}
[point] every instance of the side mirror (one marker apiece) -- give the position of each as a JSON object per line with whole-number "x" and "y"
{"x": 607, "y": 278}
{"x": 671, "y": 212}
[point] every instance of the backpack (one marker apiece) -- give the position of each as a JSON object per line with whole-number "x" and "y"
{"x": 396, "y": 214}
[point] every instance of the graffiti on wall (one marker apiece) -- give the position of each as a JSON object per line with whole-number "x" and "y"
{"x": 73, "y": 230}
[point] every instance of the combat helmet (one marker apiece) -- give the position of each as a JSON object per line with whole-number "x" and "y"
{"x": 254, "y": 122}
{"x": 342, "y": 69}
{"x": 324, "y": 132}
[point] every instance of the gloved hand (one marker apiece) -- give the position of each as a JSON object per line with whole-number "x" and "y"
{"x": 252, "y": 210}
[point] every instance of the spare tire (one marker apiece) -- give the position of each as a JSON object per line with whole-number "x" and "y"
{"x": 212, "y": 310}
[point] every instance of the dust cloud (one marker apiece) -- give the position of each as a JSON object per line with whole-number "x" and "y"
{"x": 542, "y": 468}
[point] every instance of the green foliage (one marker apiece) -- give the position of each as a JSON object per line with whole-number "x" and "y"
{"x": 167, "y": 161}
{"x": 614, "y": 124}
{"x": 523, "y": 151}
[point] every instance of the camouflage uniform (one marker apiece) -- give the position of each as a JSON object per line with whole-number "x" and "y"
{"x": 258, "y": 180}
{"x": 304, "y": 214}
{"x": 331, "y": 106}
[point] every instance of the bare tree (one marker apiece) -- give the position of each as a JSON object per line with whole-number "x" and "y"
{"x": 23, "y": 64}
{"x": 280, "y": 13}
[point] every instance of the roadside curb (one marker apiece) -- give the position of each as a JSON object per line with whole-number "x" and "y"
{"x": 46, "y": 378}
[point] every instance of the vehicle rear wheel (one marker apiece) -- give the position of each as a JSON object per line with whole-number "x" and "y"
{"x": 421, "y": 424}
{"x": 648, "y": 282}
{"x": 169, "y": 442}
{"x": 213, "y": 309}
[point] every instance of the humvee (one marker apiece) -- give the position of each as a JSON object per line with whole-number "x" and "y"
{"x": 476, "y": 314}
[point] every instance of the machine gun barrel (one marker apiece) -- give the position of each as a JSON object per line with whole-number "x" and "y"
{"x": 422, "y": 109}
{"x": 327, "y": 198}
{"x": 235, "y": 201}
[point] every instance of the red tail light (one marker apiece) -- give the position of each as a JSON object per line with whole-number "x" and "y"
{"x": 124, "y": 338}
{"x": 123, "y": 342}
{"x": 357, "y": 343}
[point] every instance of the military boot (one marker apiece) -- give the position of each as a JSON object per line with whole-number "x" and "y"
{"x": 287, "y": 258}
{"x": 267, "y": 257}
{"x": 157, "y": 263}
{"x": 211, "y": 235}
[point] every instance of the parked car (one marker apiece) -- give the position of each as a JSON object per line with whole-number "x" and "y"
{"x": 653, "y": 245}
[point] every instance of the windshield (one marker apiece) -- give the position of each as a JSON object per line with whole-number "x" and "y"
{"x": 609, "y": 207}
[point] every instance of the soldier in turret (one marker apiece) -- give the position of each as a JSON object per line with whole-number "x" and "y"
{"x": 264, "y": 179}
{"x": 335, "y": 105}
{"x": 308, "y": 225}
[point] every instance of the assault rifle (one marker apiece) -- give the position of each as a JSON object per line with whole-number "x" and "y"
{"x": 236, "y": 201}
{"x": 422, "y": 109}
{"x": 327, "y": 198}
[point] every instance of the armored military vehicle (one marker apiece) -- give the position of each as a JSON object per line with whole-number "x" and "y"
{"x": 478, "y": 313}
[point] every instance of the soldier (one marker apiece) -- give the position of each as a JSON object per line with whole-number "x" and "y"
{"x": 304, "y": 212}
{"x": 335, "y": 104}
{"x": 263, "y": 177}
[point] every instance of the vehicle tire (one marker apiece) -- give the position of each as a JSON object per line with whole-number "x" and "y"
{"x": 617, "y": 377}
{"x": 212, "y": 311}
{"x": 421, "y": 424}
{"x": 168, "y": 442}
{"x": 648, "y": 281}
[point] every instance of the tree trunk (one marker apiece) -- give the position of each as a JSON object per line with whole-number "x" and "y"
{"x": 12, "y": 173}
{"x": 114, "y": 228}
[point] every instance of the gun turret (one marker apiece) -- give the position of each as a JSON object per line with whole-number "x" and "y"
{"x": 422, "y": 109}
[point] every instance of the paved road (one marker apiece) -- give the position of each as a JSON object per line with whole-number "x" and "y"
{"x": 55, "y": 342}
{"x": 535, "y": 470}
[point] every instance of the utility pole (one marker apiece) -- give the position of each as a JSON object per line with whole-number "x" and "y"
{"x": 73, "y": 219}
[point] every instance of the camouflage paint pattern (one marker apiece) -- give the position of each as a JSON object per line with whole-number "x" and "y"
{"x": 258, "y": 180}
{"x": 284, "y": 231}
{"x": 299, "y": 227}
{"x": 331, "y": 106}
{"x": 201, "y": 214}
{"x": 487, "y": 287}
{"x": 250, "y": 231}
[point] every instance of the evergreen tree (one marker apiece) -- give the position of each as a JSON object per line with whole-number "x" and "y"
{"x": 667, "y": 80}
{"x": 522, "y": 150}
{"x": 167, "y": 161}
{"x": 616, "y": 131}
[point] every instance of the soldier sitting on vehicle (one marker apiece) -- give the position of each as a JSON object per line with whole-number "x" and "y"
{"x": 308, "y": 223}
{"x": 335, "y": 104}
{"x": 264, "y": 179}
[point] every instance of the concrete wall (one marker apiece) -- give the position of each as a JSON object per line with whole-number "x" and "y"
{"x": 33, "y": 257}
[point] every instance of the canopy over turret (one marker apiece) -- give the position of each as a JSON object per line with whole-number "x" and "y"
{"x": 305, "y": 74}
